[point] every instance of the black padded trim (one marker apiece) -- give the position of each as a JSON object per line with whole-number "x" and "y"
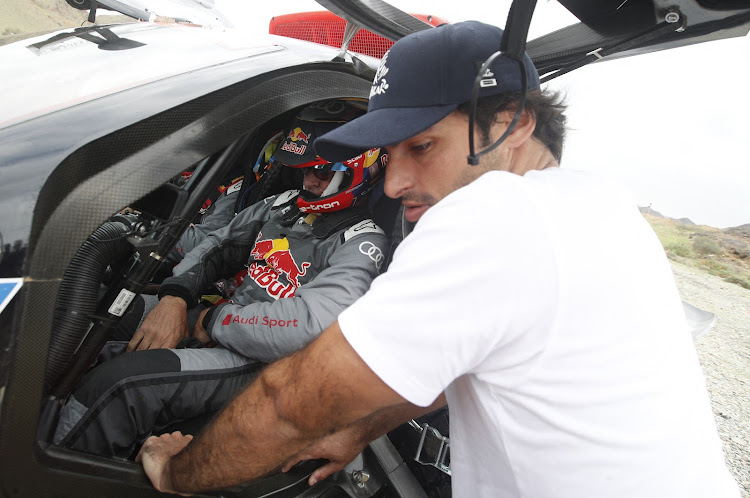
{"x": 331, "y": 222}
{"x": 291, "y": 215}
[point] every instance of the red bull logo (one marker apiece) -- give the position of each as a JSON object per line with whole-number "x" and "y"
{"x": 294, "y": 148}
{"x": 261, "y": 248}
{"x": 295, "y": 140}
{"x": 279, "y": 260}
{"x": 297, "y": 134}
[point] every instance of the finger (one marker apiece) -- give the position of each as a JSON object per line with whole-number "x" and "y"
{"x": 324, "y": 472}
{"x": 180, "y": 439}
{"x": 135, "y": 340}
{"x": 144, "y": 344}
{"x": 294, "y": 461}
{"x": 186, "y": 439}
{"x": 165, "y": 343}
{"x": 158, "y": 344}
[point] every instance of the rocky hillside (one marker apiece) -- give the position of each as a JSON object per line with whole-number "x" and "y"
{"x": 742, "y": 230}
{"x": 721, "y": 252}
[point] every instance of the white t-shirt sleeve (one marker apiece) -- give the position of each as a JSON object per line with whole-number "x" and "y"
{"x": 462, "y": 287}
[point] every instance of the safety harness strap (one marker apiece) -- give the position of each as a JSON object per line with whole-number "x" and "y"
{"x": 331, "y": 222}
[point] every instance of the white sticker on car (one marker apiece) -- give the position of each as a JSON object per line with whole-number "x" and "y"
{"x": 124, "y": 298}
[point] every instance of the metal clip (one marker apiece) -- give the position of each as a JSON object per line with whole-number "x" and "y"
{"x": 435, "y": 439}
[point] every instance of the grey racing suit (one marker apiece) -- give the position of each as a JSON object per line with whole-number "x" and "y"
{"x": 214, "y": 215}
{"x": 285, "y": 277}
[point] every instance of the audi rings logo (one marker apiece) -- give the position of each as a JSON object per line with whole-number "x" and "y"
{"x": 373, "y": 252}
{"x": 330, "y": 106}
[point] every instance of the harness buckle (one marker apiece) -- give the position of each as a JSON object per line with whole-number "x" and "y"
{"x": 433, "y": 448}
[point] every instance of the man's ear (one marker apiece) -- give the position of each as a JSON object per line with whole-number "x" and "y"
{"x": 522, "y": 132}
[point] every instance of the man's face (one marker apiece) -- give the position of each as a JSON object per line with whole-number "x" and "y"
{"x": 426, "y": 167}
{"x": 316, "y": 182}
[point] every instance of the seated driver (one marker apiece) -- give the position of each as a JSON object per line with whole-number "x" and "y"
{"x": 290, "y": 264}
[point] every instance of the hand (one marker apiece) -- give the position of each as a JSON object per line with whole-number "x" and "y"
{"x": 199, "y": 332}
{"x": 155, "y": 455}
{"x": 340, "y": 448}
{"x": 164, "y": 327}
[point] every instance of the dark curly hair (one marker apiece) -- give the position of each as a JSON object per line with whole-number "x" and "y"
{"x": 546, "y": 106}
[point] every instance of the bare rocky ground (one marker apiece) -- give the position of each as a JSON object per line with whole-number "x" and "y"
{"x": 725, "y": 356}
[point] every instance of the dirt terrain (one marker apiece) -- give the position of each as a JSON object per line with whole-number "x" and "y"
{"x": 725, "y": 357}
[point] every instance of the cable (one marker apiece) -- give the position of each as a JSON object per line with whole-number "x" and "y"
{"x": 513, "y": 46}
{"x": 473, "y": 157}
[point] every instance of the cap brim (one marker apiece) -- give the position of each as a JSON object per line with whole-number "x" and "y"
{"x": 378, "y": 128}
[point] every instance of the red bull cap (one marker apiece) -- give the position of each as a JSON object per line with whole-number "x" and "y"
{"x": 314, "y": 121}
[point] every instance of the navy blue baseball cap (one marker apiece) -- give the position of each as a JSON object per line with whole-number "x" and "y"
{"x": 424, "y": 77}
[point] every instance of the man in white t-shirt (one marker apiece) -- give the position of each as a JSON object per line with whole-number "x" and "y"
{"x": 535, "y": 300}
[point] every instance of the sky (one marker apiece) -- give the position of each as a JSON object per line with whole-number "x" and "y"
{"x": 661, "y": 123}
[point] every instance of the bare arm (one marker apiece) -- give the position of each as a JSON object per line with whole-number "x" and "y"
{"x": 343, "y": 446}
{"x": 294, "y": 403}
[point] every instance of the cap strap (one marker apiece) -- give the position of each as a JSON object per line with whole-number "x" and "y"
{"x": 473, "y": 157}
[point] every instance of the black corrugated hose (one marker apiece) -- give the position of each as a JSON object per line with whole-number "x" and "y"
{"x": 79, "y": 295}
